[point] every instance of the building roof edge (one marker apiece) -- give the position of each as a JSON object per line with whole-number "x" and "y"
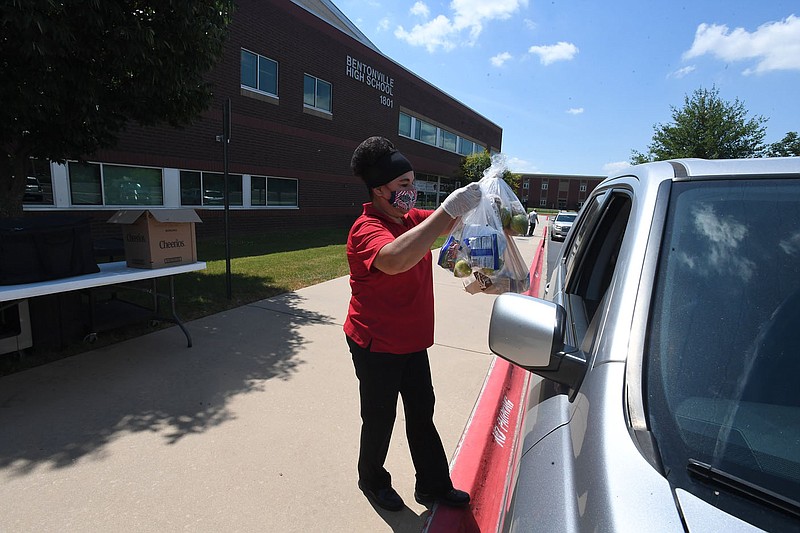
{"x": 552, "y": 175}
{"x": 327, "y": 11}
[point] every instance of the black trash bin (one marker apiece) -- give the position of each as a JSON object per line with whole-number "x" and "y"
{"x": 45, "y": 247}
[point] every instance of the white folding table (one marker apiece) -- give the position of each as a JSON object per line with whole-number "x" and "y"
{"x": 117, "y": 273}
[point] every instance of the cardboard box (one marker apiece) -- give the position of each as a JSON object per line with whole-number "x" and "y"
{"x": 156, "y": 238}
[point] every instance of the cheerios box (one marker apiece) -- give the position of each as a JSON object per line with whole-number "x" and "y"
{"x": 157, "y": 238}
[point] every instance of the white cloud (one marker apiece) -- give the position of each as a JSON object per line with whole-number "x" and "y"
{"x": 561, "y": 51}
{"x": 774, "y": 45}
{"x": 517, "y": 165}
{"x": 575, "y": 110}
{"x": 791, "y": 246}
{"x": 682, "y": 72}
{"x": 436, "y": 33}
{"x": 500, "y": 59}
{"x": 616, "y": 166}
{"x": 468, "y": 18}
{"x": 383, "y": 24}
{"x": 421, "y": 10}
{"x": 723, "y": 235}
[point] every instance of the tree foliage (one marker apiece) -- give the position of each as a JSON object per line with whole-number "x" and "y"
{"x": 75, "y": 72}
{"x": 473, "y": 166}
{"x": 789, "y": 146}
{"x": 706, "y": 127}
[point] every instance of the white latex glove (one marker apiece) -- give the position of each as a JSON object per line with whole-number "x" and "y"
{"x": 462, "y": 201}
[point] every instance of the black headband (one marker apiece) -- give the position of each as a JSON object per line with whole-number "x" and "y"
{"x": 389, "y": 166}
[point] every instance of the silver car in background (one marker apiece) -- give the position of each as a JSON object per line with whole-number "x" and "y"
{"x": 669, "y": 357}
{"x": 561, "y": 225}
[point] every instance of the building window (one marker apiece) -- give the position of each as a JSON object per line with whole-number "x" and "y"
{"x": 526, "y": 185}
{"x": 208, "y": 188}
{"x": 562, "y": 204}
{"x": 84, "y": 184}
{"x": 448, "y": 141}
{"x": 259, "y": 73}
{"x": 39, "y": 184}
{"x": 96, "y": 184}
{"x": 466, "y": 147}
{"x": 425, "y": 133}
{"x": 544, "y": 185}
{"x": 422, "y": 131}
{"x": 258, "y": 190}
{"x": 542, "y": 202}
{"x": 132, "y": 185}
{"x": 191, "y": 190}
{"x": 317, "y": 93}
{"x": 214, "y": 189}
{"x": 563, "y": 185}
{"x": 281, "y": 192}
{"x": 273, "y": 192}
{"x": 404, "y": 128}
{"x": 583, "y": 187}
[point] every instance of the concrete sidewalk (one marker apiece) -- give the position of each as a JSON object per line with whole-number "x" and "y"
{"x": 255, "y": 428}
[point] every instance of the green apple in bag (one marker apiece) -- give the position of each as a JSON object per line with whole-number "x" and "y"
{"x": 505, "y": 216}
{"x": 462, "y": 268}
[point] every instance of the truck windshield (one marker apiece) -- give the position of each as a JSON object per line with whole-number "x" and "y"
{"x": 722, "y": 358}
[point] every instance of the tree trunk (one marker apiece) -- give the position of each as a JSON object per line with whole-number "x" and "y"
{"x": 12, "y": 185}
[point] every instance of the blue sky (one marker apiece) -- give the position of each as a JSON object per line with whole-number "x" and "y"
{"x": 577, "y": 84}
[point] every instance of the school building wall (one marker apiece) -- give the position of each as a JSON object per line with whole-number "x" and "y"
{"x": 556, "y": 191}
{"x": 277, "y": 136}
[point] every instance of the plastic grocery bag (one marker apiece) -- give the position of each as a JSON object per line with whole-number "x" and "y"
{"x": 480, "y": 248}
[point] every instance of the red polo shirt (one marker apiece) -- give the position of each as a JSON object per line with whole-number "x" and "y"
{"x": 392, "y": 312}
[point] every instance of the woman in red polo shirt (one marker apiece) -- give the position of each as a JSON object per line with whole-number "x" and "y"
{"x": 389, "y": 324}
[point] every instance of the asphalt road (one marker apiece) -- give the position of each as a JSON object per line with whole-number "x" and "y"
{"x": 553, "y": 253}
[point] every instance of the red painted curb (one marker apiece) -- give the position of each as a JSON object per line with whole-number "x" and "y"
{"x": 482, "y": 463}
{"x": 536, "y": 266}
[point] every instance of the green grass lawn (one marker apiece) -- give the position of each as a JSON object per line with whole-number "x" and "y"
{"x": 261, "y": 266}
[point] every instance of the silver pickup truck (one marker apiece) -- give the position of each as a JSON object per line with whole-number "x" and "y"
{"x": 668, "y": 351}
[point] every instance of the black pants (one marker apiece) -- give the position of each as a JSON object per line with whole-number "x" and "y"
{"x": 381, "y": 377}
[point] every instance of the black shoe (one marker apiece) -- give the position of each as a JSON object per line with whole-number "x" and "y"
{"x": 451, "y": 498}
{"x": 386, "y": 498}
